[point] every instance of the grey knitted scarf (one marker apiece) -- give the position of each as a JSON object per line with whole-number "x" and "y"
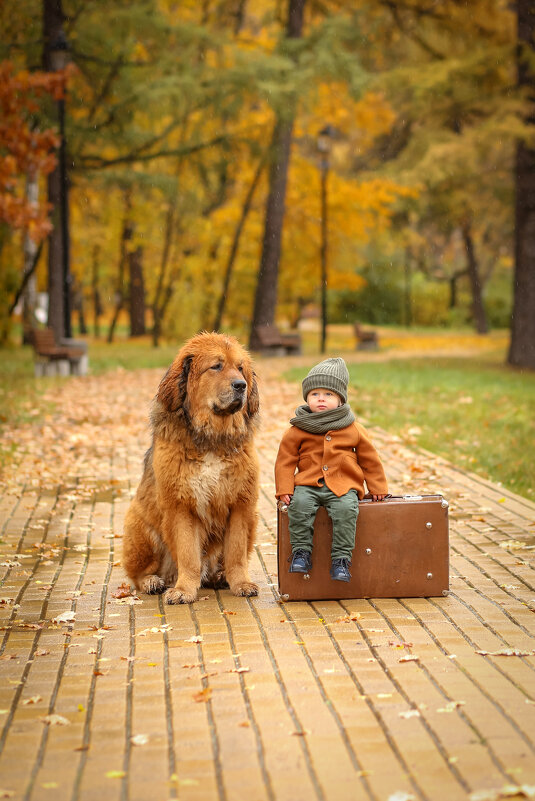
{"x": 321, "y": 422}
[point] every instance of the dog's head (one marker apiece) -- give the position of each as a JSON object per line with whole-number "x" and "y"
{"x": 212, "y": 384}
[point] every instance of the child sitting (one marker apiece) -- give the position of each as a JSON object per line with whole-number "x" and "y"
{"x": 333, "y": 456}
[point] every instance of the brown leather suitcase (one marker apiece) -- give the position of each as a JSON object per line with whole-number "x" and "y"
{"x": 401, "y": 551}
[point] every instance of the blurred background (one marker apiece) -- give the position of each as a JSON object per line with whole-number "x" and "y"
{"x": 264, "y": 166}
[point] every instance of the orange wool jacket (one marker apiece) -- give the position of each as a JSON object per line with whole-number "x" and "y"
{"x": 344, "y": 459}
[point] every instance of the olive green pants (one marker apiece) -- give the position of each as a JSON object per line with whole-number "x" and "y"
{"x": 342, "y": 510}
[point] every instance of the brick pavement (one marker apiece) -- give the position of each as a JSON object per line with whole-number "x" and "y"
{"x": 233, "y": 698}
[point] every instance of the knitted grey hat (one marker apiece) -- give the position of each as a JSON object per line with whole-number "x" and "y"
{"x": 329, "y": 374}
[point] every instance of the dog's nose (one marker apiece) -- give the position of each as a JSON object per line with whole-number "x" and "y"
{"x": 239, "y": 385}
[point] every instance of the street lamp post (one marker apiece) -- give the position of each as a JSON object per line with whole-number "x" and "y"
{"x": 324, "y": 148}
{"x": 59, "y": 54}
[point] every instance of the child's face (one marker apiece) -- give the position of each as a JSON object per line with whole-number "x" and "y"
{"x": 321, "y": 400}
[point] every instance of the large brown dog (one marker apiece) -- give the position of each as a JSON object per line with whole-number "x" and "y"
{"x": 193, "y": 518}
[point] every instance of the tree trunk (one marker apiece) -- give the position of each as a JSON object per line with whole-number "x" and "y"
{"x": 407, "y": 289}
{"x": 137, "y": 293}
{"x": 56, "y": 317}
{"x": 478, "y": 309}
{"x": 126, "y": 236}
{"x": 160, "y": 291}
{"x": 29, "y": 294}
{"x": 236, "y": 242}
{"x": 97, "y": 304}
{"x": 53, "y": 18}
{"x": 268, "y": 275}
{"x": 522, "y": 347}
{"x": 82, "y": 326}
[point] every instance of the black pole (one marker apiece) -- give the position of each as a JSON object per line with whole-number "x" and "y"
{"x": 64, "y": 210}
{"x": 324, "y": 244}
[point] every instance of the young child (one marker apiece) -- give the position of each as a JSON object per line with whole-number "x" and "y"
{"x": 333, "y": 457}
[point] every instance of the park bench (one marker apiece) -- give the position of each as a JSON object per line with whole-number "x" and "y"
{"x": 366, "y": 338}
{"x": 272, "y": 340}
{"x": 63, "y": 358}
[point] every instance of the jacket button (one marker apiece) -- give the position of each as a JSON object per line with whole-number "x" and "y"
{"x": 325, "y": 467}
{"x": 328, "y": 437}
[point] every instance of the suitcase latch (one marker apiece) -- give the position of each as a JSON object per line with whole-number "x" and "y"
{"x": 368, "y": 551}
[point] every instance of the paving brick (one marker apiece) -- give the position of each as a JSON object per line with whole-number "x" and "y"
{"x": 320, "y": 709}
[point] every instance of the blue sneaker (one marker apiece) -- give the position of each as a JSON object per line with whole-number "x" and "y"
{"x": 301, "y": 562}
{"x": 340, "y": 569}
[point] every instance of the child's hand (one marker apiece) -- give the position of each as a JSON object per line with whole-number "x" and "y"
{"x": 285, "y": 499}
{"x": 378, "y": 497}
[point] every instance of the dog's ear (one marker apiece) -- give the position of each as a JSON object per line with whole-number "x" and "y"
{"x": 253, "y": 398}
{"x": 174, "y": 385}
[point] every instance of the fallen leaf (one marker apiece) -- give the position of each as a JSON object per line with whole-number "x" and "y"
{"x": 506, "y": 652}
{"x": 195, "y": 638}
{"x": 244, "y": 724}
{"x": 239, "y": 670}
{"x": 65, "y": 617}
{"x": 123, "y": 591}
{"x": 203, "y": 695}
{"x": 412, "y": 713}
{"x": 55, "y": 720}
{"x": 34, "y": 699}
{"x": 409, "y": 658}
{"x": 507, "y": 791}
{"x": 450, "y": 706}
{"x": 115, "y": 774}
{"x": 228, "y": 612}
{"x": 139, "y": 739}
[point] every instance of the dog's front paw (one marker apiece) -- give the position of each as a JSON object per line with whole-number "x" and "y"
{"x": 174, "y": 595}
{"x": 152, "y": 585}
{"x": 246, "y": 588}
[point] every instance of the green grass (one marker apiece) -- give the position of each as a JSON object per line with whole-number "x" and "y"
{"x": 477, "y": 414}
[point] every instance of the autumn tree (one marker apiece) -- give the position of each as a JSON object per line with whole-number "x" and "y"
{"x": 266, "y": 289}
{"x": 26, "y": 155}
{"x": 446, "y": 70}
{"x": 522, "y": 348}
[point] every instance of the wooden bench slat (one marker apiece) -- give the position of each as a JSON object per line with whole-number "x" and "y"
{"x": 271, "y": 337}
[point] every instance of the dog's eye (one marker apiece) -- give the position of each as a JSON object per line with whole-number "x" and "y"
{"x": 240, "y": 368}
{"x": 217, "y": 366}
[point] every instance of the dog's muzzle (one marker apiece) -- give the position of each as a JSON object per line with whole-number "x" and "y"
{"x": 236, "y": 400}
